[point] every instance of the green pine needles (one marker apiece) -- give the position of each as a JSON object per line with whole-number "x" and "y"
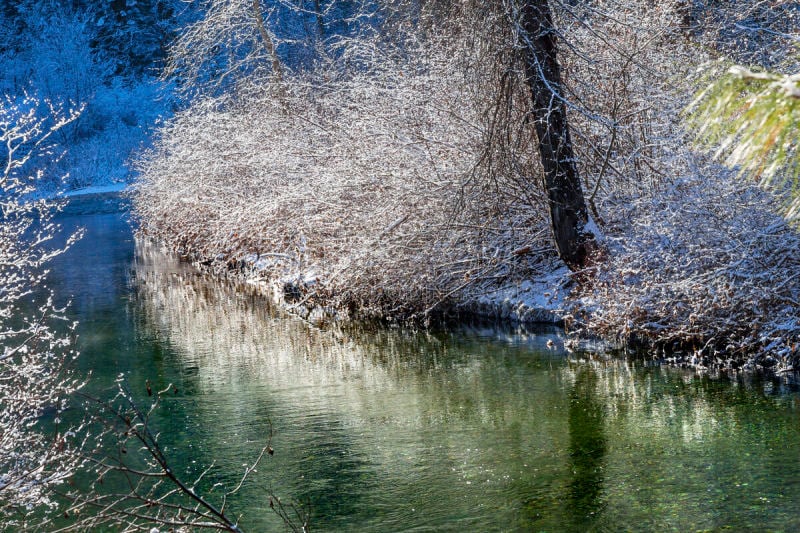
{"x": 753, "y": 120}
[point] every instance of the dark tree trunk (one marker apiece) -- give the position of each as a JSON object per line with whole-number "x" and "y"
{"x": 277, "y": 67}
{"x": 320, "y": 19}
{"x": 683, "y": 10}
{"x": 568, "y": 214}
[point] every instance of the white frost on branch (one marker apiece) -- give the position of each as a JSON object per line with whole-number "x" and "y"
{"x": 36, "y": 449}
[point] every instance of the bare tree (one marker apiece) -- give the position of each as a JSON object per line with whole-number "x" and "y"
{"x": 231, "y": 39}
{"x": 269, "y": 42}
{"x": 569, "y": 216}
{"x": 138, "y": 487}
{"x": 37, "y": 449}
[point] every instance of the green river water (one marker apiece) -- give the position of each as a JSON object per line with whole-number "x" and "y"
{"x": 478, "y": 428}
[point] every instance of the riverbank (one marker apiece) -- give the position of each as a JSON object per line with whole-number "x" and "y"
{"x": 96, "y": 200}
{"x": 705, "y": 279}
{"x": 412, "y": 188}
{"x": 302, "y": 293}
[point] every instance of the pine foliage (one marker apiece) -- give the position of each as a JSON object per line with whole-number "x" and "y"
{"x": 752, "y": 119}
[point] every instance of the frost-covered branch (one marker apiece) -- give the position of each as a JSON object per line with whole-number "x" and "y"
{"x": 38, "y": 449}
{"x": 232, "y": 38}
{"x": 137, "y": 487}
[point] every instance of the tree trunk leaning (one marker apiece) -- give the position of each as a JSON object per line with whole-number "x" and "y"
{"x": 568, "y": 212}
{"x": 277, "y": 67}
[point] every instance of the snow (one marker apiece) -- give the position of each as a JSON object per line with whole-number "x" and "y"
{"x": 592, "y": 227}
{"x": 540, "y": 300}
{"x": 97, "y": 189}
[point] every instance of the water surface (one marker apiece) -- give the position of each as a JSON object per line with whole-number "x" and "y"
{"x": 473, "y": 429}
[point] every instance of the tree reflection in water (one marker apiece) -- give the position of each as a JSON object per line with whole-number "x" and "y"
{"x": 475, "y": 429}
{"x": 587, "y": 448}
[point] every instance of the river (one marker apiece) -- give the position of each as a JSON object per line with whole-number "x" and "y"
{"x": 477, "y": 428}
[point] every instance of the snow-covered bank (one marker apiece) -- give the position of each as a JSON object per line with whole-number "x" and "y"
{"x": 411, "y": 186}
{"x": 98, "y": 199}
{"x": 302, "y": 293}
{"x": 97, "y": 189}
{"x": 541, "y": 300}
{"x": 704, "y": 276}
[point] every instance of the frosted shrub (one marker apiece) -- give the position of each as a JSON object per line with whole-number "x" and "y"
{"x": 358, "y": 186}
{"x": 402, "y": 177}
{"x": 706, "y": 270}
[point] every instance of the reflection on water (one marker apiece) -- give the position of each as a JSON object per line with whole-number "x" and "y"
{"x": 369, "y": 424}
{"x": 587, "y": 447}
{"x": 474, "y": 429}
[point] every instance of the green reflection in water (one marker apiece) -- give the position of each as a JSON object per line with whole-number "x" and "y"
{"x": 587, "y": 448}
{"x": 474, "y": 429}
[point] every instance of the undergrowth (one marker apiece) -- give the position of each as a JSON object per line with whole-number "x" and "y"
{"x": 409, "y": 185}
